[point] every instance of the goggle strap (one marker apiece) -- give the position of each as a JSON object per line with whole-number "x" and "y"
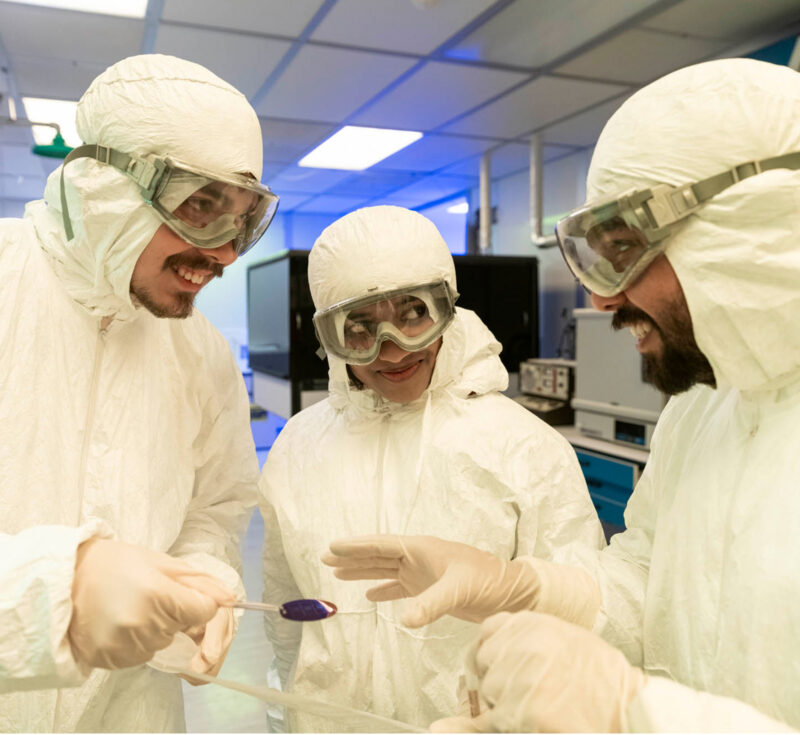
{"x": 145, "y": 174}
{"x": 668, "y": 205}
{"x": 704, "y": 190}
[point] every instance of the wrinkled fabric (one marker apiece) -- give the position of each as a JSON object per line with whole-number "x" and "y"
{"x": 704, "y": 585}
{"x": 141, "y": 426}
{"x": 462, "y": 462}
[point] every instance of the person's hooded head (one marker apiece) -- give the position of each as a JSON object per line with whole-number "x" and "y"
{"x": 114, "y": 245}
{"x": 735, "y": 261}
{"x": 384, "y": 287}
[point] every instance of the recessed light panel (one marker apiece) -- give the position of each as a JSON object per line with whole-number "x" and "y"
{"x": 355, "y": 148}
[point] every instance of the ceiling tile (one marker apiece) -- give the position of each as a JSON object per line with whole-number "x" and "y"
{"x": 539, "y": 102}
{"x": 506, "y": 159}
{"x": 429, "y": 189}
{"x": 533, "y": 34}
{"x": 67, "y": 35}
{"x": 37, "y": 77}
{"x": 397, "y": 25}
{"x": 435, "y": 94}
{"x": 298, "y": 179}
{"x": 329, "y": 204}
{"x": 326, "y": 84}
{"x": 275, "y": 17}
{"x": 432, "y": 152}
{"x": 288, "y": 202}
{"x": 374, "y": 183}
{"x": 286, "y": 141}
{"x": 243, "y": 61}
{"x": 637, "y": 56}
{"x": 270, "y": 171}
{"x": 583, "y": 129}
{"x": 741, "y": 17}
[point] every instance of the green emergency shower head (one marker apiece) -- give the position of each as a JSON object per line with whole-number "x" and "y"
{"x": 57, "y": 149}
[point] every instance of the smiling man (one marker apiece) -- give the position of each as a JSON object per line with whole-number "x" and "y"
{"x": 129, "y": 469}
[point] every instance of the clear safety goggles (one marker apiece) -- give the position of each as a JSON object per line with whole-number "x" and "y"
{"x": 203, "y": 208}
{"x": 412, "y": 318}
{"x": 609, "y": 243}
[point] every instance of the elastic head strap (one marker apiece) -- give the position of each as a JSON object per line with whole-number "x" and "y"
{"x": 146, "y": 174}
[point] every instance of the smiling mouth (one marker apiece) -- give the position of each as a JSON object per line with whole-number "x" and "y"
{"x": 397, "y": 375}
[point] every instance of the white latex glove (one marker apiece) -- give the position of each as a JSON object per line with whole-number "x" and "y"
{"x": 537, "y": 673}
{"x": 128, "y": 602}
{"x": 215, "y": 640}
{"x": 449, "y": 578}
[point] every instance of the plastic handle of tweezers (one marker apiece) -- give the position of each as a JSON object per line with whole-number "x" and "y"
{"x": 263, "y": 606}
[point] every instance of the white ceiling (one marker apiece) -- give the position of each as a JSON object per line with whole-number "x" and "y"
{"x": 475, "y": 76}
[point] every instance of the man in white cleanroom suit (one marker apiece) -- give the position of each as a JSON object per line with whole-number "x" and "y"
{"x": 701, "y": 592}
{"x": 125, "y": 437}
{"x": 414, "y": 438}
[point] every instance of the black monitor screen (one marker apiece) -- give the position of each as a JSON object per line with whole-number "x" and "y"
{"x": 268, "y": 316}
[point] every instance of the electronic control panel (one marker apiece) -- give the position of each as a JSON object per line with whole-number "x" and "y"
{"x": 547, "y": 378}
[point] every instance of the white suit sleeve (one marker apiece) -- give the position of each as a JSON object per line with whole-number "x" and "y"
{"x": 225, "y": 482}
{"x": 279, "y": 582}
{"x": 663, "y": 705}
{"x": 556, "y": 512}
{"x": 623, "y": 568}
{"x": 37, "y": 568}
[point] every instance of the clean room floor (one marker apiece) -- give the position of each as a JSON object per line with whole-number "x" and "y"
{"x": 211, "y": 708}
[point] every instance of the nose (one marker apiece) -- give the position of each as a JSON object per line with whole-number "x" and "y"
{"x": 224, "y": 254}
{"x": 390, "y": 352}
{"x": 608, "y": 303}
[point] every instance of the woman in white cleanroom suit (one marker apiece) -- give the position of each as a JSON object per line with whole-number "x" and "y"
{"x": 413, "y": 439}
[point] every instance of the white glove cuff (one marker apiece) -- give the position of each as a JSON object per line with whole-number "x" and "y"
{"x": 565, "y": 591}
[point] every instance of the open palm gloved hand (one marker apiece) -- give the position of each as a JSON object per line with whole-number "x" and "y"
{"x": 450, "y": 578}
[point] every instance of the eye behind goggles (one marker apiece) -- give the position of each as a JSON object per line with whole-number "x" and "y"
{"x": 413, "y": 318}
{"x": 609, "y": 243}
{"x": 204, "y": 208}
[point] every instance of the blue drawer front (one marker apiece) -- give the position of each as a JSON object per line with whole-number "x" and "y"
{"x": 608, "y": 509}
{"x": 610, "y": 485}
{"x": 607, "y": 470}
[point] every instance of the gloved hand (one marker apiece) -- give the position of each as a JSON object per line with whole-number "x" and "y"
{"x": 449, "y": 578}
{"x": 214, "y": 639}
{"x": 539, "y": 674}
{"x": 128, "y": 602}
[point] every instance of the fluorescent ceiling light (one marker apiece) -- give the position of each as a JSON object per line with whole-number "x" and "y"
{"x": 61, "y": 112}
{"x": 355, "y": 148}
{"x": 125, "y": 8}
{"x": 460, "y": 208}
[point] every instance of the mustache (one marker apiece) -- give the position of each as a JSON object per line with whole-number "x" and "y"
{"x": 627, "y": 315}
{"x": 195, "y": 261}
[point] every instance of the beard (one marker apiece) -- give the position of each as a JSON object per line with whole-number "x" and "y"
{"x": 681, "y": 364}
{"x": 181, "y": 305}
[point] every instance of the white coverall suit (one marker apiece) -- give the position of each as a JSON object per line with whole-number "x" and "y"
{"x": 462, "y": 462}
{"x": 704, "y": 585}
{"x": 139, "y": 430}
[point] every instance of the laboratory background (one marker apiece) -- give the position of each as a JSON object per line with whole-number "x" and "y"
{"x": 480, "y": 114}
